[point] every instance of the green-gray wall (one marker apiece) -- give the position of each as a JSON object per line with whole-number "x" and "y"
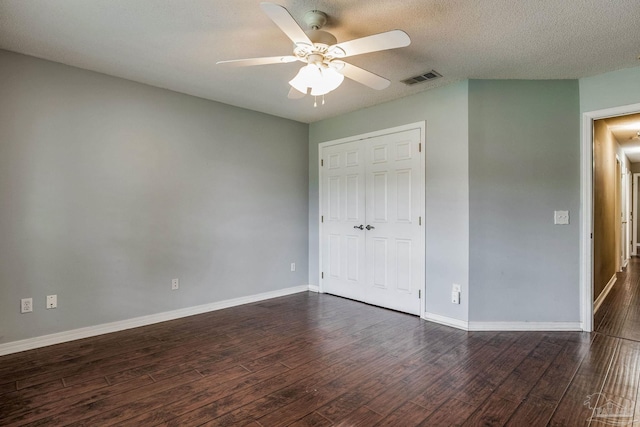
{"x": 524, "y": 163}
{"x": 110, "y": 189}
{"x": 614, "y": 89}
{"x": 501, "y": 156}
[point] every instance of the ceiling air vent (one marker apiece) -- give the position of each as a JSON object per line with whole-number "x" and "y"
{"x": 429, "y": 75}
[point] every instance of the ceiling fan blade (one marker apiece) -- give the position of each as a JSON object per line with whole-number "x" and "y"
{"x": 258, "y": 61}
{"x": 383, "y": 41}
{"x": 295, "y": 94}
{"x": 283, "y": 19}
{"x": 365, "y": 77}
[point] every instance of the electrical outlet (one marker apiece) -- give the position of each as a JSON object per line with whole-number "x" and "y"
{"x": 561, "y": 217}
{"x": 52, "y": 301}
{"x": 175, "y": 284}
{"x": 293, "y": 266}
{"x": 26, "y": 305}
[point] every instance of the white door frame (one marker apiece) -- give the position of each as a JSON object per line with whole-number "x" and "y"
{"x": 629, "y": 205}
{"x": 586, "y": 208}
{"x": 417, "y": 125}
{"x": 634, "y": 214}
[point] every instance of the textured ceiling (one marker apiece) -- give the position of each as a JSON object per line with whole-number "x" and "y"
{"x": 175, "y": 44}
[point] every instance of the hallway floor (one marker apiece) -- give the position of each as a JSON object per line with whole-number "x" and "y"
{"x": 619, "y": 315}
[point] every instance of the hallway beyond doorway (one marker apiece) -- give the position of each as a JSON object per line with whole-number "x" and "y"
{"x": 619, "y": 315}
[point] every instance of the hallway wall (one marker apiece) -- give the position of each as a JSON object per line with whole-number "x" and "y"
{"x": 604, "y": 221}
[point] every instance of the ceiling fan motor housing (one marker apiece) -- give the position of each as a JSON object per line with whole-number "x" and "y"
{"x": 321, "y": 37}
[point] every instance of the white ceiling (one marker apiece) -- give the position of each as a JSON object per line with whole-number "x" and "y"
{"x": 175, "y": 44}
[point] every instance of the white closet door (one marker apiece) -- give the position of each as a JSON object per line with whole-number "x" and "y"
{"x": 394, "y": 206}
{"x": 343, "y": 245}
{"x": 377, "y": 183}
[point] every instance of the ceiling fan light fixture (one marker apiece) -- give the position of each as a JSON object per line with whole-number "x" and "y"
{"x": 320, "y": 78}
{"x": 331, "y": 80}
{"x": 305, "y": 78}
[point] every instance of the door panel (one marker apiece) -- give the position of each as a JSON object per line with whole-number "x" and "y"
{"x": 379, "y": 183}
{"x": 342, "y": 196}
{"x": 396, "y": 203}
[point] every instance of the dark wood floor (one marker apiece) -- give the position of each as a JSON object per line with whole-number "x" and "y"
{"x": 319, "y": 360}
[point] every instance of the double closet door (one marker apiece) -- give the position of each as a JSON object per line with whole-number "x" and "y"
{"x": 372, "y": 215}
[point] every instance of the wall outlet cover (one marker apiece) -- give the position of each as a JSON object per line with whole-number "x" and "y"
{"x": 26, "y": 305}
{"x": 175, "y": 284}
{"x": 561, "y": 217}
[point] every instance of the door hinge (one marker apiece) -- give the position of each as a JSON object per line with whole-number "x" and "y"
{"x": 322, "y": 275}
{"x": 321, "y": 162}
{"x": 322, "y": 218}
{"x": 419, "y": 220}
{"x": 420, "y": 147}
{"x": 419, "y": 293}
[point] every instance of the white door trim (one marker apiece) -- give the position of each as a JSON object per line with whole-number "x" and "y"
{"x": 634, "y": 214}
{"x": 586, "y": 208}
{"x": 417, "y": 125}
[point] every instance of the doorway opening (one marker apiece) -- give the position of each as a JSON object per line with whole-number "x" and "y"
{"x": 605, "y": 202}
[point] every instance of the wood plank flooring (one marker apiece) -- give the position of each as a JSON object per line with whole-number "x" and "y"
{"x": 319, "y": 360}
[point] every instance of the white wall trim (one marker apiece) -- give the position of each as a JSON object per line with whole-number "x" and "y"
{"x": 314, "y": 288}
{"x": 525, "y": 326}
{"x": 586, "y": 208}
{"x": 634, "y": 214}
{"x": 503, "y": 326}
{"x": 447, "y": 321}
{"x": 598, "y": 302}
{"x": 91, "y": 331}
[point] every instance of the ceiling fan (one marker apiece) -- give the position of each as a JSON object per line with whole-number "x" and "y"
{"x": 325, "y": 69}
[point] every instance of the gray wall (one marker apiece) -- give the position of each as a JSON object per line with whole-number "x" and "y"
{"x": 110, "y": 189}
{"x": 445, "y": 111}
{"x": 524, "y": 163}
{"x": 608, "y": 90}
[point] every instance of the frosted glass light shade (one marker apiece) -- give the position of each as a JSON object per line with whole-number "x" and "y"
{"x": 330, "y": 80}
{"x": 320, "y": 79}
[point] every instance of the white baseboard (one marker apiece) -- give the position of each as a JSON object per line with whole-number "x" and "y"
{"x": 503, "y": 326}
{"x": 598, "y": 302}
{"x": 447, "y": 321}
{"x": 91, "y": 331}
{"x": 314, "y": 288}
{"x": 525, "y": 326}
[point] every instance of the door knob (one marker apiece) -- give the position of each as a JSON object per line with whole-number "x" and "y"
{"x": 369, "y": 227}
{"x": 359, "y": 227}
